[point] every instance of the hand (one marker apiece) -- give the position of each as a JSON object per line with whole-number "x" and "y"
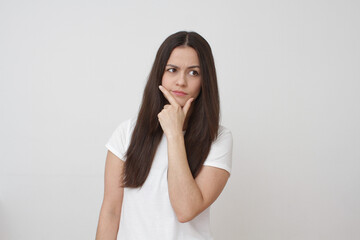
{"x": 172, "y": 117}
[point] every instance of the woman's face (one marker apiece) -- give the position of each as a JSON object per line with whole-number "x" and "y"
{"x": 182, "y": 76}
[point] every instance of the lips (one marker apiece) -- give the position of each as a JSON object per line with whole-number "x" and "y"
{"x": 179, "y": 93}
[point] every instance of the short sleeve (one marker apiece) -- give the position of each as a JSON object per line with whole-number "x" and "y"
{"x": 120, "y": 140}
{"x": 220, "y": 154}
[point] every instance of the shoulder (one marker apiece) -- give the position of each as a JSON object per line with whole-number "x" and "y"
{"x": 224, "y": 134}
{"x": 126, "y": 126}
{"x": 223, "y": 142}
{"x": 223, "y": 130}
{"x": 120, "y": 139}
{"x": 220, "y": 154}
{"x": 128, "y": 122}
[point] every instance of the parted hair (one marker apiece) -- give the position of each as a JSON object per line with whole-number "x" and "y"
{"x": 203, "y": 123}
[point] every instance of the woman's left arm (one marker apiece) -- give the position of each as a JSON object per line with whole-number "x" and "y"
{"x": 188, "y": 196}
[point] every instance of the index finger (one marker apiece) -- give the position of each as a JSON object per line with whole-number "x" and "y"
{"x": 168, "y": 96}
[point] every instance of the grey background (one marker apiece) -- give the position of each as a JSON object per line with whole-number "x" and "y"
{"x": 71, "y": 71}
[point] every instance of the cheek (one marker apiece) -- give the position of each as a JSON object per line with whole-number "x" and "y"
{"x": 197, "y": 88}
{"x": 165, "y": 82}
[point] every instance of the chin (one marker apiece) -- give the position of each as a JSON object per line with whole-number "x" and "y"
{"x": 181, "y": 104}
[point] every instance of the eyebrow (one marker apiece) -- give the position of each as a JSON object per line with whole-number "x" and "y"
{"x": 174, "y": 66}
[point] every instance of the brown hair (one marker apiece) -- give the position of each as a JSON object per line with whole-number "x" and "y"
{"x": 203, "y": 122}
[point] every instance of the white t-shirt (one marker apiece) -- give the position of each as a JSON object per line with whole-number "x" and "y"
{"x": 146, "y": 212}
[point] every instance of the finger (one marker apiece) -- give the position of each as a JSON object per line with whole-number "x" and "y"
{"x": 168, "y": 96}
{"x": 167, "y": 106}
{"x": 187, "y": 106}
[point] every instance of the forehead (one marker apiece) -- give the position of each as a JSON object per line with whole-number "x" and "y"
{"x": 183, "y": 55}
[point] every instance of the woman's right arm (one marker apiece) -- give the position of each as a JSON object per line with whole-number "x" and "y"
{"x": 110, "y": 212}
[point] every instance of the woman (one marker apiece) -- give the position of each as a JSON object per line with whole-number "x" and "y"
{"x": 166, "y": 167}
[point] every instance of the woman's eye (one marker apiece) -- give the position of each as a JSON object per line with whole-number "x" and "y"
{"x": 194, "y": 73}
{"x": 171, "y": 70}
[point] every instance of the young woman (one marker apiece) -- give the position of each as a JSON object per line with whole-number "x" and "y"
{"x": 167, "y": 166}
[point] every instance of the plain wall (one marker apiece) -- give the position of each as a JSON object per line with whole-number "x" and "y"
{"x": 289, "y": 79}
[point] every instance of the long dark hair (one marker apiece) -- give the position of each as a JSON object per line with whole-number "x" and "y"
{"x": 203, "y": 123}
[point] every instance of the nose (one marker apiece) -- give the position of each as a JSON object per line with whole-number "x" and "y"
{"x": 181, "y": 80}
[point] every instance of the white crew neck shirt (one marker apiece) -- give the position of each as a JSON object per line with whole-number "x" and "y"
{"x": 146, "y": 212}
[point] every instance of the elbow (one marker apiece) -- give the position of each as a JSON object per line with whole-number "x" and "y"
{"x": 188, "y": 213}
{"x": 185, "y": 217}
